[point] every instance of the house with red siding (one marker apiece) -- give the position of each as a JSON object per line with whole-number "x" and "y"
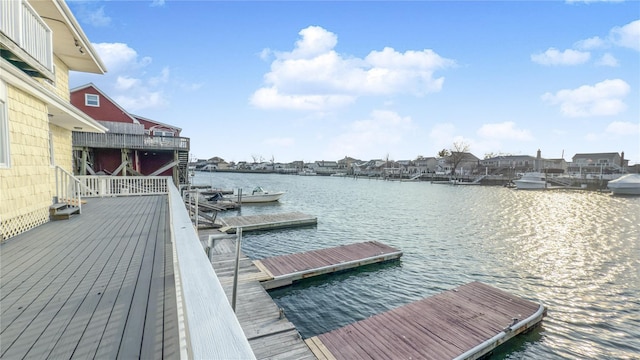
{"x": 133, "y": 145}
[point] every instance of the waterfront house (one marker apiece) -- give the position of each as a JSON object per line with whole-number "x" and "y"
{"x": 596, "y": 163}
{"x": 40, "y": 42}
{"x": 324, "y": 167}
{"x": 425, "y": 164}
{"x": 467, "y": 163}
{"x": 134, "y": 145}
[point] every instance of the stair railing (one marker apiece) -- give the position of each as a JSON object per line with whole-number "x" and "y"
{"x": 67, "y": 189}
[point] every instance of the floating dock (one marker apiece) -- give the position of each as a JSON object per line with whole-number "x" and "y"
{"x": 464, "y": 323}
{"x": 285, "y": 269}
{"x": 266, "y": 222}
{"x": 270, "y": 334}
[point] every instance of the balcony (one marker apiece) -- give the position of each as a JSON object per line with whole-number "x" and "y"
{"x": 129, "y": 141}
{"x": 128, "y": 278}
{"x": 25, "y": 39}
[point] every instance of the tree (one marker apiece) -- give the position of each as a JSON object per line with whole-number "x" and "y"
{"x": 455, "y": 155}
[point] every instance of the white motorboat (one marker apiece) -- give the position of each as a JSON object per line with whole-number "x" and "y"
{"x": 532, "y": 181}
{"x": 258, "y": 195}
{"x": 625, "y": 185}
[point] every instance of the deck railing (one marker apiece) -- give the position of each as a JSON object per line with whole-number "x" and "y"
{"x": 212, "y": 327}
{"x": 130, "y": 141}
{"x": 68, "y": 189}
{"x": 20, "y": 23}
{"x": 101, "y": 186}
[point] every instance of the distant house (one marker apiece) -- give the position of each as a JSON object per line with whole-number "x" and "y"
{"x": 466, "y": 166}
{"x": 592, "y": 163}
{"x": 134, "y": 145}
{"x": 511, "y": 164}
{"x": 425, "y": 164}
{"x": 324, "y": 167}
{"x": 36, "y": 117}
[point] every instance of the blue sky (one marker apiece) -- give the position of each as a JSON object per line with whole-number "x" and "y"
{"x": 323, "y": 80}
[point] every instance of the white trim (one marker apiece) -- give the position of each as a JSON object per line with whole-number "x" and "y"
{"x": 65, "y": 114}
{"x": 5, "y": 148}
{"x": 88, "y": 100}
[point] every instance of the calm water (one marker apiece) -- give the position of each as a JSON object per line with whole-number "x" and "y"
{"x": 576, "y": 252}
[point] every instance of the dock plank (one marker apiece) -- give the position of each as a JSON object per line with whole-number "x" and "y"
{"x": 440, "y": 327}
{"x": 286, "y": 269}
{"x": 267, "y": 221}
{"x": 270, "y": 335}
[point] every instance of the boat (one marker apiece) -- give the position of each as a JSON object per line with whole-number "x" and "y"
{"x": 258, "y": 195}
{"x": 531, "y": 181}
{"x": 625, "y": 185}
{"x": 307, "y": 172}
{"x": 338, "y": 175}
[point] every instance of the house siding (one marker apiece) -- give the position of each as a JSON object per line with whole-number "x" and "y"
{"x": 28, "y": 185}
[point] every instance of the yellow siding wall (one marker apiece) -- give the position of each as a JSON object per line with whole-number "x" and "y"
{"x": 61, "y": 85}
{"x": 28, "y": 186}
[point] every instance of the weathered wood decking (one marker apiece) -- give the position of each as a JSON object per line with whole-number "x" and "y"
{"x": 283, "y": 270}
{"x": 466, "y": 322}
{"x": 270, "y": 335}
{"x": 99, "y": 285}
{"x": 266, "y": 222}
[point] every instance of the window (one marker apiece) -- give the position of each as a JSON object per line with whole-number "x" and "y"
{"x": 162, "y": 133}
{"x": 91, "y": 100}
{"x": 4, "y": 128}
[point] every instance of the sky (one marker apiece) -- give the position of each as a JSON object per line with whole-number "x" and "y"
{"x": 321, "y": 80}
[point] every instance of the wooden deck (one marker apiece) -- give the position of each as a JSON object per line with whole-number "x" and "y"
{"x": 99, "y": 285}
{"x": 466, "y": 323}
{"x": 270, "y": 335}
{"x": 266, "y": 222}
{"x": 283, "y": 270}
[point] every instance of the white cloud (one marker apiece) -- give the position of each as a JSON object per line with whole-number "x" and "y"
{"x": 623, "y": 128}
{"x": 377, "y": 134}
{"x": 118, "y": 57}
{"x": 601, "y": 99}
{"x": 591, "y": 43}
{"x": 555, "y": 57}
{"x": 627, "y": 36}
{"x": 124, "y": 83}
{"x": 504, "y": 131}
{"x": 608, "y": 60}
{"x": 139, "y": 99}
{"x": 313, "y": 76}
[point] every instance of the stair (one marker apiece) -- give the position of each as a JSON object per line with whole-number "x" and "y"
{"x": 62, "y": 211}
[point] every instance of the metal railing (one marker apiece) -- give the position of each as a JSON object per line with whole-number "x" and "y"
{"x": 68, "y": 189}
{"x": 22, "y": 24}
{"x": 101, "y": 186}
{"x": 130, "y": 141}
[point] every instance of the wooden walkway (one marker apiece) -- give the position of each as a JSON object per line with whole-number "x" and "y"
{"x": 466, "y": 322}
{"x": 266, "y": 222}
{"x": 283, "y": 270}
{"x": 270, "y": 334}
{"x": 99, "y": 285}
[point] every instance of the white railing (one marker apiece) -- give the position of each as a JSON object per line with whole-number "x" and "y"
{"x": 213, "y": 331}
{"x": 101, "y": 186}
{"x": 22, "y": 24}
{"x": 129, "y": 141}
{"x": 68, "y": 189}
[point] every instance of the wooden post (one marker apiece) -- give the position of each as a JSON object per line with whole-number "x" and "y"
{"x": 83, "y": 164}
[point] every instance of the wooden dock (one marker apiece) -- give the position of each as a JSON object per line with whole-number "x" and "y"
{"x": 285, "y": 269}
{"x": 270, "y": 334}
{"x": 464, "y": 323}
{"x": 266, "y": 222}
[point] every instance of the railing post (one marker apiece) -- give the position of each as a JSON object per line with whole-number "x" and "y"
{"x": 237, "y": 268}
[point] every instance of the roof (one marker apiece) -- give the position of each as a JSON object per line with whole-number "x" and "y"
{"x": 70, "y": 43}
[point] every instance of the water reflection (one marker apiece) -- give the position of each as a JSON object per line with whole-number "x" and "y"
{"x": 577, "y": 252}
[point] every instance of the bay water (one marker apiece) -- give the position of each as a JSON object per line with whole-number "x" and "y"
{"x": 577, "y": 252}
